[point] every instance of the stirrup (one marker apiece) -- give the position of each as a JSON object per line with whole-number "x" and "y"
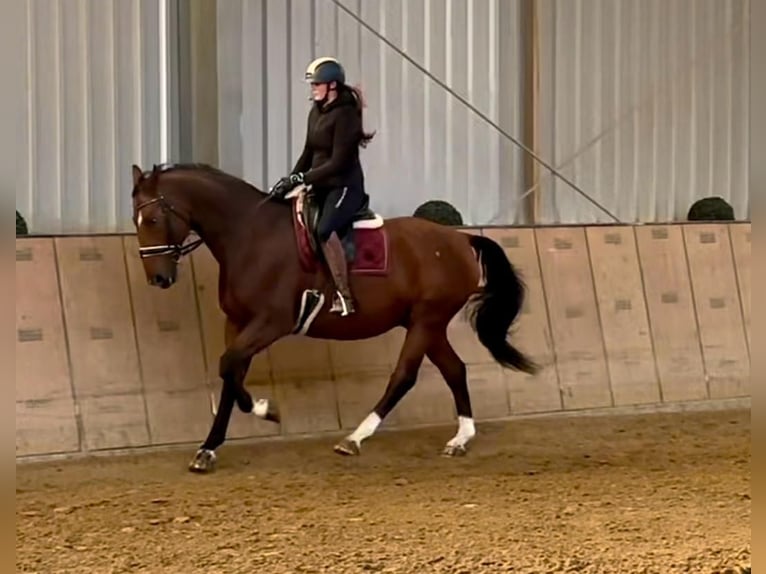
{"x": 342, "y": 305}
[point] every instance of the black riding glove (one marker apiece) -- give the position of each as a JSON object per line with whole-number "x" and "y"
{"x": 286, "y": 184}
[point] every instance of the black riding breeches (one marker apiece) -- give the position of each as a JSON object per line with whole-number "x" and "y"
{"x": 339, "y": 207}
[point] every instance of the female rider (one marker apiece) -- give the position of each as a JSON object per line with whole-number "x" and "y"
{"x": 330, "y": 164}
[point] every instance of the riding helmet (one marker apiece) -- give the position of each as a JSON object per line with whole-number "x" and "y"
{"x": 325, "y": 70}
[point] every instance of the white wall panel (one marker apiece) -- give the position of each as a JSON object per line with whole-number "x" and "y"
{"x": 644, "y": 106}
{"x": 91, "y": 109}
{"x": 642, "y": 103}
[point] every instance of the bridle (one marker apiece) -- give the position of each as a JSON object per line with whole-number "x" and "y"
{"x": 176, "y": 250}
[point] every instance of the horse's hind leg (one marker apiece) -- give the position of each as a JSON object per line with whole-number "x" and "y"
{"x": 452, "y": 368}
{"x": 401, "y": 381}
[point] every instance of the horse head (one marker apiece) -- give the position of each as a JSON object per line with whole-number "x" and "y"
{"x": 162, "y": 226}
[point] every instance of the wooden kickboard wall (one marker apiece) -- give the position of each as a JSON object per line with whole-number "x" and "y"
{"x": 615, "y": 316}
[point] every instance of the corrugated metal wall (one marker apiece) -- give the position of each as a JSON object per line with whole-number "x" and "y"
{"x": 428, "y": 144}
{"x": 643, "y": 103}
{"x": 92, "y": 107}
{"x": 645, "y": 106}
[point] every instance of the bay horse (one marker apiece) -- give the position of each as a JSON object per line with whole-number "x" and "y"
{"x": 268, "y": 289}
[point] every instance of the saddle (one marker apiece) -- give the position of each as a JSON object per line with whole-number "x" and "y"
{"x": 365, "y": 245}
{"x": 307, "y": 211}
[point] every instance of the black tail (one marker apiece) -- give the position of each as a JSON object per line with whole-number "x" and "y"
{"x": 496, "y": 307}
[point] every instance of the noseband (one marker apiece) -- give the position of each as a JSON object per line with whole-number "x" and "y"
{"x": 177, "y": 250}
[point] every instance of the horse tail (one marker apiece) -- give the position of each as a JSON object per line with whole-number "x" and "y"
{"x": 497, "y": 305}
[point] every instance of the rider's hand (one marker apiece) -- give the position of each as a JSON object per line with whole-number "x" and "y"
{"x": 286, "y": 184}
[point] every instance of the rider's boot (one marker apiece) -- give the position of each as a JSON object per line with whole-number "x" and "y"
{"x": 343, "y": 302}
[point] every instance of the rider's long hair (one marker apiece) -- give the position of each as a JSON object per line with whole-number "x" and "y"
{"x": 356, "y": 92}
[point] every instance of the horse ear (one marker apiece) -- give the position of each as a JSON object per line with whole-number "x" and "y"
{"x": 154, "y": 174}
{"x": 137, "y": 174}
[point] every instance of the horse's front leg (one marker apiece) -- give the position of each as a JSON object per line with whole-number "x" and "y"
{"x": 242, "y": 345}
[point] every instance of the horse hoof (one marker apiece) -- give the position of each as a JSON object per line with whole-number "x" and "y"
{"x": 456, "y": 450}
{"x": 272, "y": 413}
{"x": 347, "y": 447}
{"x": 267, "y": 409}
{"x": 203, "y": 461}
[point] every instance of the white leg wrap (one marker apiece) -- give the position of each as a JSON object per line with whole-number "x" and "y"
{"x": 465, "y": 432}
{"x": 365, "y": 429}
{"x": 261, "y": 407}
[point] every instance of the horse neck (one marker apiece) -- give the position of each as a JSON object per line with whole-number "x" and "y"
{"x": 223, "y": 215}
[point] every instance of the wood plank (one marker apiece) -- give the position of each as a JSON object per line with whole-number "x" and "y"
{"x": 671, "y": 312}
{"x": 358, "y": 393}
{"x": 167, "y": 328}
{"x": 307, "y": 406}
{"x": 624, "y": 320}
{"x": 179, "y": 416}
{"x": 98, "y": 314}
{"x": 46, "y": 426}
{"x": 714, "y": 285}
{"x": 428, "y": 402}
{"x": 359, "y": 357}
{"x": 39, "y": 325}
{"x": 742, "y": 245}
{"x": 488, "y": 390}
{"x": 575, "y": 325}
{"x": 532, "y": 335}
{"x": 104, "y": 357}
{"x": 114, "y": 421}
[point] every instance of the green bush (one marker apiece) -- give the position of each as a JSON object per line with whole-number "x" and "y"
{"x": 21, "y": 225}
{"x": 440, "y": 212}
{"x": 711, "y": 209}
